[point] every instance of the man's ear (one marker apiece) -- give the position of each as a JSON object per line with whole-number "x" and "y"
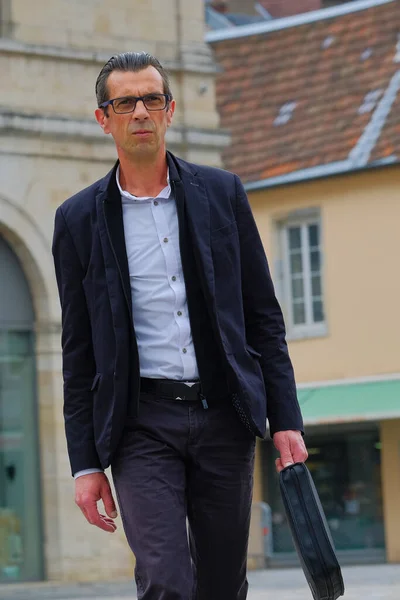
{"x": 170, "y": 112}
{"x": 102, "y": 119}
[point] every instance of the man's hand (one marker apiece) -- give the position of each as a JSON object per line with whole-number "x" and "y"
{"x": 89, "y": 489}
{"x": 291, "y": 447}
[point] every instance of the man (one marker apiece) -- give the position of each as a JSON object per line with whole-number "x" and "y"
{"x": 174, "y": 348}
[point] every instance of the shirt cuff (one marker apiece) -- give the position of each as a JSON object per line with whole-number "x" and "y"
{"x": 86, "y": 472}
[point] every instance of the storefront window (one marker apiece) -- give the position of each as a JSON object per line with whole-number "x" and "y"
{"x": 346, "y": 471}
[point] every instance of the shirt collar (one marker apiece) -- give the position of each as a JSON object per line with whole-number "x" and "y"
{"x": 165, "y": 193}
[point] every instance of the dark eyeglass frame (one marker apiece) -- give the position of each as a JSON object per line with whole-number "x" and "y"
{"x": 167, "y": 98}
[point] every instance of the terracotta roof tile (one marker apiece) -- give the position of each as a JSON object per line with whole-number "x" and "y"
{"x": 335, "y": 72}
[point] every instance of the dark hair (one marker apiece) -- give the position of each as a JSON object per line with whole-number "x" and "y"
{"x": 128, "y": 61}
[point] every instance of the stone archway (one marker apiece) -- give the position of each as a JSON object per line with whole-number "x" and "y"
{"x": 33, "y": 249}
{"x": 34, "y": 252}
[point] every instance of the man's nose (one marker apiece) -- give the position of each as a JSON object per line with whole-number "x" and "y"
{"x": 140, "y": 111}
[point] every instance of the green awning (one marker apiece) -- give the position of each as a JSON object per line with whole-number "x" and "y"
{"x": 344, "y": 403}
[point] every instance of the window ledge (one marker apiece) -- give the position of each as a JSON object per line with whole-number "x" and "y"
{"x": 308, "y": 333}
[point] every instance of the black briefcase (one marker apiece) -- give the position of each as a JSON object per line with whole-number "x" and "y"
{"x": 310, "y": 532}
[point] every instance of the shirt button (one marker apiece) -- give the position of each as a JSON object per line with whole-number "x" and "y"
{"x": 179, "y": 313}
{"x": 165, "y": 240}
{"x": 184, "y": 351}
{"x": 155, "y": 203}
{"x": 173, "y": 278}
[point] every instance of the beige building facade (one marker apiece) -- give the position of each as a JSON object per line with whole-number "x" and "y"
{"x": 50, "y": 147}
{"x": 347, "y": 360}
{"x": 315, "y": 140}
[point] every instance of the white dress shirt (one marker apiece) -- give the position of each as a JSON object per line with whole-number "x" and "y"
{"x": 159, "y": 303}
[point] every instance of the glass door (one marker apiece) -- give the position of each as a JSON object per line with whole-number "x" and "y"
{"x": 20, "y": 519}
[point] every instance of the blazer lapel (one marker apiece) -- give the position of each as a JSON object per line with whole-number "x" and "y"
{"x": 193, "y": 209}
{"x": 192, "y": 200}
{"x": 112, "y": 233}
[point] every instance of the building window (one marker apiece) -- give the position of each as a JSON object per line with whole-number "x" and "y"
{"x": 301, "y": 276}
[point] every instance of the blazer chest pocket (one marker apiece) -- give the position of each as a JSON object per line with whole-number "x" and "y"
{"x": 224, "y": 233}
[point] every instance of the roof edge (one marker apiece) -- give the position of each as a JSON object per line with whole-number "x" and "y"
{"x": 336, "y": 168}
{"x": 361, "y": 152}
{"x": 293, "y": 21}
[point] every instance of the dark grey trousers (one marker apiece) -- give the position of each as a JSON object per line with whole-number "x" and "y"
{"x": 180, "y": 464}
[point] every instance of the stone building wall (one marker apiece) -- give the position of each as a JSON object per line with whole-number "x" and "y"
{"x": 50, "y": 147}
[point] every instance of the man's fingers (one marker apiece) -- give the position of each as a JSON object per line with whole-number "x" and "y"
{"x": 282, "y": 444}
{"x": 90, "y": 511}
{"x": 89, "y": 489}
{"x": 300, "y": 453}
{"x": 280, "y": 465}
{"x": 298, "y": 449}
{"x": 286, "y": 456}
{"x": 93, "y": 516}
{"x": 291, "y": 447}
{"x": 108, "y": 502}
{"x": 106, "y": 524}
{"x": 98, "y": 520}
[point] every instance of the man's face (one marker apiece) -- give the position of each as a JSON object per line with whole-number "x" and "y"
{"x": 140, "y": 134}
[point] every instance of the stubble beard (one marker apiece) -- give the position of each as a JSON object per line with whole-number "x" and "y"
{"x": 144, "y": 150}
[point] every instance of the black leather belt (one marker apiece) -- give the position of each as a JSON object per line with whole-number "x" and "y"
{"x": 174, "y": 390}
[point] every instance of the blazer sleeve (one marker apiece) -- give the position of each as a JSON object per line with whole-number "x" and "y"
{"x": 77, "y": 350}
{"x": 265, "y": 328}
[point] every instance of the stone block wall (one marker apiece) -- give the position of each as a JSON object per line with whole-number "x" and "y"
{"x": 50, "y": 147}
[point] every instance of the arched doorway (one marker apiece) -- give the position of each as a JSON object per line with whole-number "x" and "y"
{"x": 20, "y": 514}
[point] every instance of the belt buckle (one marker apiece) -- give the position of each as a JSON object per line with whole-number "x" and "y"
{"x": 183, "y": 392}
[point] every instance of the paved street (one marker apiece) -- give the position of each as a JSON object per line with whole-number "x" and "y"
{"x": 362, "y": 583}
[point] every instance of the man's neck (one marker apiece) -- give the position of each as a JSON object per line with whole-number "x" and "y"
{"x": 146, "y": 178}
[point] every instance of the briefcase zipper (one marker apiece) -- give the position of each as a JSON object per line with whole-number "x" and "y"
{"x": 314, "y": 540}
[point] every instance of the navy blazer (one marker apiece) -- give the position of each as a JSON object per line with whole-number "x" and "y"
{"x": 100, "y": 356}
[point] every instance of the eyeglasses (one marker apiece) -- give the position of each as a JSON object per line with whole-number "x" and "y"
{"x": 127, "y": 104}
